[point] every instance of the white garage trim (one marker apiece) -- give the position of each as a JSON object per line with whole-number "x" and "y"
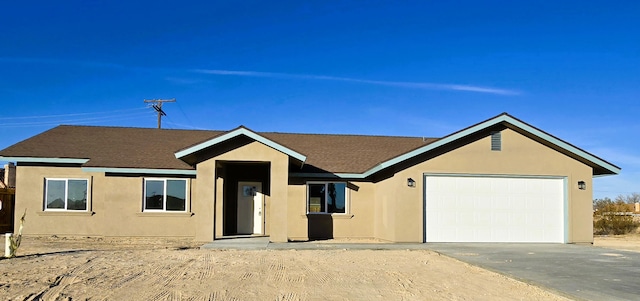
{"x": 562, "y": 217}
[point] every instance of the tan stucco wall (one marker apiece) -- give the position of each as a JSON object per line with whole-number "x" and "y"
{"x": 401, "y": 220}
{"x": 390, "y": 210}
{"x": 386, "y": 202}
{"x": 206, "y": 194}
{"x": 387, "y": 209}
{"x": 115, "y": 207}
{"x": 210, "y": 185}
{"x": 296, "y": 212}
{"x": 358, "y": 222}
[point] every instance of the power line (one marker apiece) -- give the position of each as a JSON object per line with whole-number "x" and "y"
{"x": 185, "y": 115}
{"x": 157, "y": 105}
{"x": 186, "y": 125}
{"x": 74, "y": 114}
{"x": 73, "y": 121}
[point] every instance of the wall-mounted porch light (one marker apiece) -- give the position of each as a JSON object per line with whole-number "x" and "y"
{"x": 411, "y": 182}
{"x": 582, "y": 185}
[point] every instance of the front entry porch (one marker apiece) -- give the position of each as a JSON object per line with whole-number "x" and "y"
{"x": 242, "y": 188}
{"x": 245, "y": 195}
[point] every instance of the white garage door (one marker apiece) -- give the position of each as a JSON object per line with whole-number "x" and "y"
{"x": 494, "y": 209}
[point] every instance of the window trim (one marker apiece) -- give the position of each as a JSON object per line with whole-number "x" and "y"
{"x": 347, "y": 197}
{"x": 187, "y": 184}
{"x": 66, "y": 194}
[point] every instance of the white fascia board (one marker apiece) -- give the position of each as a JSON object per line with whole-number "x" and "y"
{"x": 484, "y": 125}
{"x": 238, "y": 132}
{"x": 187, "y": 172}
{"x": 45, "y": 160}
{"x": 482, "y": 175}
{"x": 328, "y": 175}
{"x": 351, "y": 175}
{"x": 564, "y": 145}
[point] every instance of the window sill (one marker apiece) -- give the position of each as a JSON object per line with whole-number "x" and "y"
{"x": 333, "y": 215}
{"x": 65, "y": 213}
{"x": 165, "y": 214}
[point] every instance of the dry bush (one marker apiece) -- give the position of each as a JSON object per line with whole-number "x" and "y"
{"x": 615, "y": 224}
{"x": 613, "y": 217}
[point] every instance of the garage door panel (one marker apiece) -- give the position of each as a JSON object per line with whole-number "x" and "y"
{"x": 494, "y": 209}
{"x": 501, "y": 219}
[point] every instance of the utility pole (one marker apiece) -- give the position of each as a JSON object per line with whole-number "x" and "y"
{"x": 157, "y": 105}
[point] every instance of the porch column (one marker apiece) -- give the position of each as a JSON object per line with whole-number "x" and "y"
{"x": 279, "y": 194}
{"x": 203, "y": 199}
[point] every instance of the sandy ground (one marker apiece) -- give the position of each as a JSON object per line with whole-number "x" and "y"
{"x": 629, "y": 242}
{"x": 100, "y": 269}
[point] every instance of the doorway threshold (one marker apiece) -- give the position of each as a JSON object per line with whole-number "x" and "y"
{"x": 238, "y": 236}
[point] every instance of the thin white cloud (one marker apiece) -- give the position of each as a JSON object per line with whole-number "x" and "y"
{"x": 416, "y": 85}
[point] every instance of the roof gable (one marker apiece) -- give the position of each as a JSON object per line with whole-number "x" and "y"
{"x": 512, "y": 122}
{"x": 235, "y": 133}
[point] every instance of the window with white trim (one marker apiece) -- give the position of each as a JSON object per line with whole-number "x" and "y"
{"x": 165, "y": 195}
{"x": 328, "y": 197}
{"x": 66, "y": 194}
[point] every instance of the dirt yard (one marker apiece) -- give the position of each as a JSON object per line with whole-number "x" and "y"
{"x": 99, "y": 269}
{"x": 629, "y": 242}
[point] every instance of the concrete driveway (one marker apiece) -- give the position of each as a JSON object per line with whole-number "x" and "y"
{"x": 575, "y": 271}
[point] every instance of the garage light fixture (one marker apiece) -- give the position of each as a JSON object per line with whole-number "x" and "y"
{"x": 411, "y": 182}
{"x": 582, "y": 185}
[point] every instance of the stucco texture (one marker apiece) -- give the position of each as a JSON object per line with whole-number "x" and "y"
{"x": 519, "y": 156}
{"x": 383, "y": 208}
{"x": 115, "y": 207}
{"x": 211, "y": 184}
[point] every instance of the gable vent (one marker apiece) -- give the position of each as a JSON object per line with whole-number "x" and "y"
{"x": 496, "y": 141}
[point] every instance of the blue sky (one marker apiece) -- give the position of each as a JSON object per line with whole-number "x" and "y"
{"x": 418, "y": 68}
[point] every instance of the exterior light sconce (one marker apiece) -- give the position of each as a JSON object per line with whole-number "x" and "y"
{"x": 582, "y": 185}
{"x": 411, "y": 182}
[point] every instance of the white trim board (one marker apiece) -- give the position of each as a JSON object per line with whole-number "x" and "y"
{"x": 45, "y": 160}
{"x": 141, "y": 171}
{"x": 238, "y": 132}
{"x": 484, "y": 125}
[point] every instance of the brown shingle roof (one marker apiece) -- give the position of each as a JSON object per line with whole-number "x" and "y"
{"x": 155, "y": 148}
{"x": 347, "y": 153}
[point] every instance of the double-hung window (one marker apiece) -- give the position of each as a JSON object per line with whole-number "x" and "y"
{"x": 165, "y": 195}
{"x": 327, "y": 197}
{"x": 66, "y": 194}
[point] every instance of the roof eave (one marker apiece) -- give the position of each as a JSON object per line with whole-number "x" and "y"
{"x": 502, "y": 118}
{"x": 596, "y": 163}
{"x": 154, "y": 171}
{"x": 235, "y": 133}
{"x": 45, "y": 160}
